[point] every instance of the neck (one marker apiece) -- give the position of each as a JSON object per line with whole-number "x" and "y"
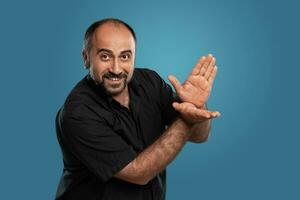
{"x": 123, "y": 97}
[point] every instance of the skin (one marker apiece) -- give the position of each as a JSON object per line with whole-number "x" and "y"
{"x": 194, "y": 93}
{"x": 112, "y": 56}
{"x": 199, "y": 82}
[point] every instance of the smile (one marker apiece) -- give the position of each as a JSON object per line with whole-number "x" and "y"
{"x": 114, "y": 79}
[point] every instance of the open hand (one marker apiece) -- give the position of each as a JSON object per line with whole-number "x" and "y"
{"x": 191, "y": 114}
{"x": 196, "y": 89}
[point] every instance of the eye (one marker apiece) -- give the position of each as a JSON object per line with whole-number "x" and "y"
{"x": 104, "y": 57}
{"x": 125, "y": 57}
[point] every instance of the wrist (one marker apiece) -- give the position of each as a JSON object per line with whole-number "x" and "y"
{"x": 182, "y": 127}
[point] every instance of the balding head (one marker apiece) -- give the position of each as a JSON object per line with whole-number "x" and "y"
{"x": 109, "y": 54}
{"x": 96, "y": 25}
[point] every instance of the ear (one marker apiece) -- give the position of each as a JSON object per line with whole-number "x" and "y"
{"x": 85, "y": 57}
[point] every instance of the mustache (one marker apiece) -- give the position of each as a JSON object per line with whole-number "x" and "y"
{"x": 113, "y": 75}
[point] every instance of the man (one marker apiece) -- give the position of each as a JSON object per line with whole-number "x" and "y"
{"x": 121, "y": 126}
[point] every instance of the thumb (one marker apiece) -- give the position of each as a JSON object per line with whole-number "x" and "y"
{"x": 176, "y": 106}
{"x": 176, "y": 84}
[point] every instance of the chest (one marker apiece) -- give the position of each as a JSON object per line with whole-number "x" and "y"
{"x": 141, "y": 125}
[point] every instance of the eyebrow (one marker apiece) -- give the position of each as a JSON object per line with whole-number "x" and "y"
{"x": 111, "y": 52}
{"x": 126, "y": 51}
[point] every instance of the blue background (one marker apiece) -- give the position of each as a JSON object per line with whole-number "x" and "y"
{"x": 253, "y": 152}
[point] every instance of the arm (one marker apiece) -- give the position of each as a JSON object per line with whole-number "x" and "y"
{"x": 201, "y": 130}
{"x": 199, "y": 118}
{"x": 157, "y": 156}
{"x": 194, "y": 94}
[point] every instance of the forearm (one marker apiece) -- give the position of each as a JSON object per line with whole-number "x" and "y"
{"x": 157, "y": 156}
{"x": 200, "y": 131}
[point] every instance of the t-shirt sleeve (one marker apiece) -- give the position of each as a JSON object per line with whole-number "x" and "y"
{"x": 166, "y": 96}
{"x": 95, "y": 143}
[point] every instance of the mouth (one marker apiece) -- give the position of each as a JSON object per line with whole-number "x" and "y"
{"x": 114, "y": 79}
{"x": 114, "y": 84}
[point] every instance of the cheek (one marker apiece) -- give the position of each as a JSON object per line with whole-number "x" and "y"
{"x": 128, "y": 67}
{"x": 98, "y": 70}
{"x": 129, "y": 70}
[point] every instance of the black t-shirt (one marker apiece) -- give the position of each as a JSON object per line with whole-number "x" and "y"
{"x": 99, "y": 137}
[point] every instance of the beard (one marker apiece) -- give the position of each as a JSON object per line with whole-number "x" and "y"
{"x": 114, "y": 84}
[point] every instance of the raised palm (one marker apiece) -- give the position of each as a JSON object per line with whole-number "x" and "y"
{"x": 197, "y": 87}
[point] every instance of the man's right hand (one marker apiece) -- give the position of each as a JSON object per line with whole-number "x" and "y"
{"x": 191, "y": 114}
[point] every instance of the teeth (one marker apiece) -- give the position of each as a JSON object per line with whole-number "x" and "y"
{"x": 114, "y": 79}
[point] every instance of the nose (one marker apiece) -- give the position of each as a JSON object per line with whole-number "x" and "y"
{"x": 116, "y": 67}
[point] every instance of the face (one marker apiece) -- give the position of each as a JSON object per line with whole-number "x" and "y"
{"x": 111, "y": 58}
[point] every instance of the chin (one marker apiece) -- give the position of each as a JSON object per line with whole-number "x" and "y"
{"x": 115, "y": 90}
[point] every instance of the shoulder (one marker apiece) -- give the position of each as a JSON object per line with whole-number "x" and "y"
{"x": 84, "y": 94}
{"x": 148, "y": 77}
{"x": 84, "y": 102}
{"x": 80, "y": 92}
{"x": 146, "y": 73}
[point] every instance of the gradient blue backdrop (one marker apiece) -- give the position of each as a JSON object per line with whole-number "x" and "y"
{"x": 253, "y": 152}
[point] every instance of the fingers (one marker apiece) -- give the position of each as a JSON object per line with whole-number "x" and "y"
{"x": 206, "y": 64}
{"x": 215, "y": 114}
{"x": 207, "y": 114}
{"x": 210, "y": 68}
{"x": 198, "y": 66}
{"x": 176, "y": 84}
{"x": 212, "y": 77}
{"x": 195, "y": 113}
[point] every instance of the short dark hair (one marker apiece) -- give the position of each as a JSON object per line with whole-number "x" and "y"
{"x": 92, "y": 28}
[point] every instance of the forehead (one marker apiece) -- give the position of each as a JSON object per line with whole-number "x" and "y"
{"x": 115, "y": 37}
